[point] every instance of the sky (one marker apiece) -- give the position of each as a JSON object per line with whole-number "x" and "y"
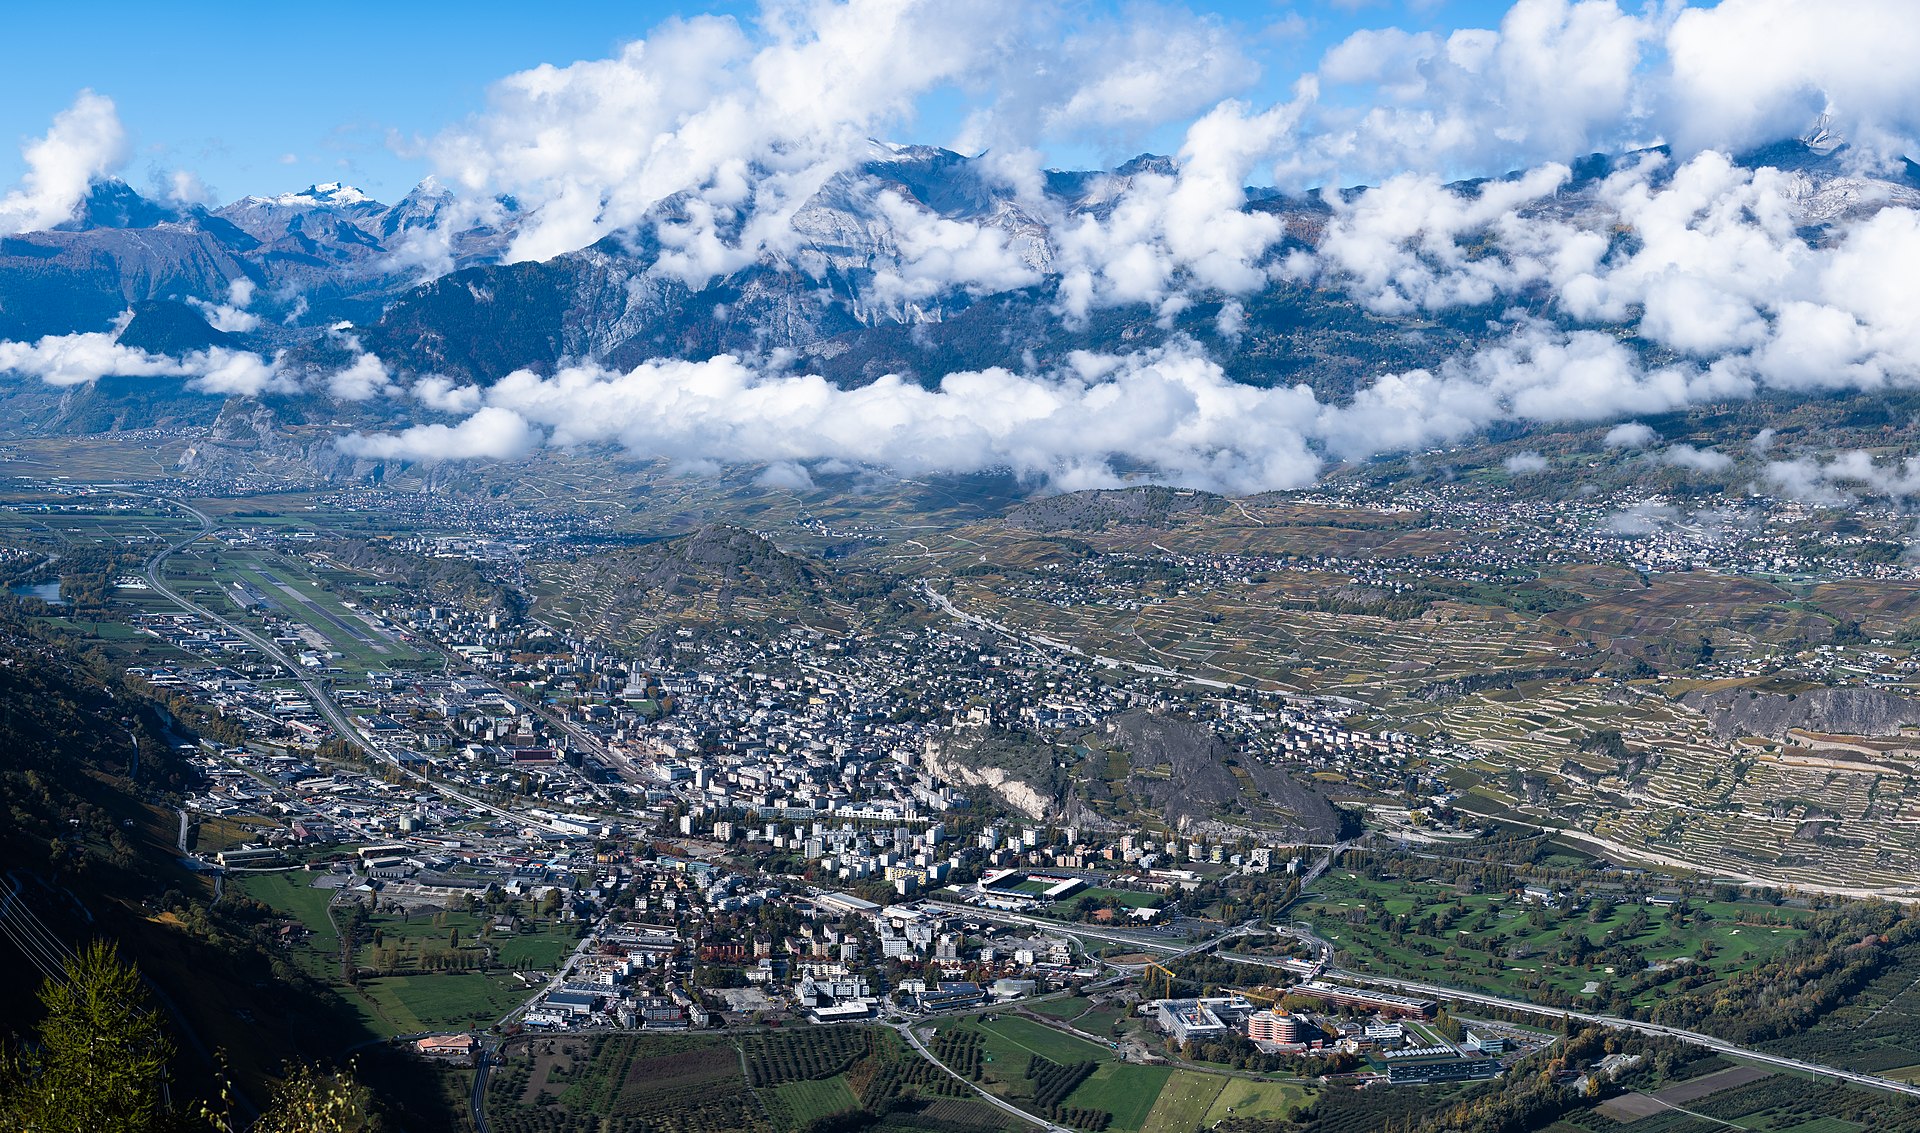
{"x": 256, "y": 98}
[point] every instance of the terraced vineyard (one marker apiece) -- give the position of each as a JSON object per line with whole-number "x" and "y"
{"x": 1785, "y": 813}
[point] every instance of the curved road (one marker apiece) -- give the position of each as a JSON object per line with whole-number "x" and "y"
{"x": 316, "y": 692}
{"x": 1696, "y": 1038}
{"x": 993, "y": 1099}
{"x": 1616, "y": 1022}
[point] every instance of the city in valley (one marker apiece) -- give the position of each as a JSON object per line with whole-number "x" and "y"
{"x": 951, "y": 566}
{"x": 1087, "y": 813}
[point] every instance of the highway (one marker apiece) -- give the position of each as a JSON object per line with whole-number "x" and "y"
{"x": 1140, "y": 942}
{"x": 482, "y": 1067}
{"x": 316, "y": 692}
{"x": 1695, "y": 1038}
{"x": 1616, "y": 1022}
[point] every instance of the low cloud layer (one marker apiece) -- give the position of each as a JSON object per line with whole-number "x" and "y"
{"x": 76, "y": 359}
{"x": 1173, "y": 411}
{"x": 1841, "y": 479}
{"x": 67, "y": 360}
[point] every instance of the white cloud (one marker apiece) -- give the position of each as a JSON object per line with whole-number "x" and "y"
{"x": 1403, "y": 246}
{"x": 443, "y": 394}
{"x": 490, "y": 434}
{"x": 1524, "y": 463}
{"x": 237, "y": 373}
{"x": 1749, "y": 71}
{"x": 1696, "y": 459}
{"x": 938, "y": 255}
{"x": 76, "y": 359}
{"x": 714, "y": 133}
{"x": 1802, "y": 480}
{"x": 362, "y": 379}
{"x": 231, "y": 317}
{"x": 185, "y": 188}
{"x": 1834, "y": 483}
{"x": 1165, "y": 233}
{"x": 1111, "y": 79}
{"x": 1554, "y": 81}
{"x": 1631, "y": 434}
{"x": 785, "y": 474}
{"x": 1643, "y": 518}
{"x": 1173, "y": 410}
{"x": 85, "y": 142}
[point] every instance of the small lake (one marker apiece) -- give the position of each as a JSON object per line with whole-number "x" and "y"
{"x": 48, "y": 592}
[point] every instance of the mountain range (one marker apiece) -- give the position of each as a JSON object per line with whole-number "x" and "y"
{"x": 424, "y": 283}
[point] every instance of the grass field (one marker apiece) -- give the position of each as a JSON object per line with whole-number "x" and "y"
{"x": 1071, "y": 1007}
{"x": 1125, "y": 1090}
{"x": 1010, "y": 1040}
{"x": 1142, "y": 1099}
{"x": 1183, "y": 1102}
{"x": 407, "y": 936}
{"x": 292, "y": 893}
{"x": 1496, "y": 942}
{"x": 223, "y": 833}
{"x": 403, "y": 1004}
{"x": 798, "y": 1103}
{"x": 1266, "y": 1101}
{"x": 400, "y": 1004}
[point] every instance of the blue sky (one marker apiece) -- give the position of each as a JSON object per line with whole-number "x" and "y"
{"x": 268, "y": 98}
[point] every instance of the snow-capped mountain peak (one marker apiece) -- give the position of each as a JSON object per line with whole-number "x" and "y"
{"x": 332, "y": 193}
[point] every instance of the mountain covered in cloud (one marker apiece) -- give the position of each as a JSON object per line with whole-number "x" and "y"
{"x": 916, "y": 262}
{"x": 1365, "y": 320}
{"x": 693, "y": 249}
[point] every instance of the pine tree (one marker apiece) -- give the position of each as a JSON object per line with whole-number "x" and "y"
{"x": 102, "y": 1057}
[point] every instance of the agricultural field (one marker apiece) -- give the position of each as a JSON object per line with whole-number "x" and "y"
{"x": 1009, "y": 1040}
{"x": 686, "y": 1083}
{"x": 1519, "y": 665}
{"x": 794, "y": 1104}
{"x": 1127, "y": 1091}
{"x": 1604, "y": 954}
{"x": 424, "y": 969}
{"x": 1013, "y": 1057}
{"x": 1184, "y": 1102}
{"x": 1877, "y": 1031}
{"x": 1744, "y": 808}
{"x": 1768, "y": 1103}
{"x": 776, "y": 1081}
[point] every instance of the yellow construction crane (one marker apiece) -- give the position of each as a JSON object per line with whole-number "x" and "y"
{"x": 1156, "y": 973}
